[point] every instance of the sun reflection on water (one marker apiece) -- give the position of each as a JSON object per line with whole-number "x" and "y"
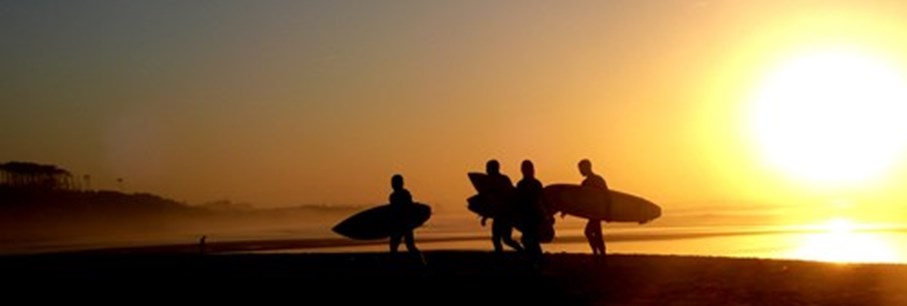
{"x": 842, "y": 240}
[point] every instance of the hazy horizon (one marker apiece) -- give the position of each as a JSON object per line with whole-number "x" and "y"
{"x": 280, "y": 103}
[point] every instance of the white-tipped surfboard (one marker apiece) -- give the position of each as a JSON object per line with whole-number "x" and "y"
{"x": 592, "y": 203}
{"x": 381, "y": 221}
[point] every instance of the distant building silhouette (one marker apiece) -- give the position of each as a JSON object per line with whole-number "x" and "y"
{"x": 35, "y": 176}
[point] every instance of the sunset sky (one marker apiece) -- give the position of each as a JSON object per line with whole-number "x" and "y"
{"x": 319, "y": 102}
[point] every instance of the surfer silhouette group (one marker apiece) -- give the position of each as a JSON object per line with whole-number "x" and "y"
{"x": 523, "y": 208}
{"x": 528, "y": 206}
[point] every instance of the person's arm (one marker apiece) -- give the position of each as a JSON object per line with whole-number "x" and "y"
{"x": 408, "y": 197}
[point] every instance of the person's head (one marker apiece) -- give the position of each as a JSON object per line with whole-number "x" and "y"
{"x": 585, "y": 167}
{"x": 527, "y": 168}
{"x": 397, "y": 182}
{"x": 493, "y": 167}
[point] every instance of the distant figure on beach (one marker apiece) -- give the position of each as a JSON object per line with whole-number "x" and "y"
{"x": 593, "y": 226}
{"x": 399, "y": 198}
{"x": 530, "y": 210}
{"x": 502, "y": 225}
{"x": 201, "y": 244}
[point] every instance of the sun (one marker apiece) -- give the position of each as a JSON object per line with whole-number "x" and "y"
{"x": 831, "y": 118}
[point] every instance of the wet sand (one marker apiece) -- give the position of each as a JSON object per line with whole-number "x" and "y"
{"x": 459, "y": 277}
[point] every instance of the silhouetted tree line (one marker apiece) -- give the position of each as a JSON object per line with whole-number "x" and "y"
{"x": 47, "y": 190}
{"x": 74, "y": 201}
{"x": 35, "y": 176}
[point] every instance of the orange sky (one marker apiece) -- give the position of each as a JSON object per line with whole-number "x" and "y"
{"x": 320, "y": 103}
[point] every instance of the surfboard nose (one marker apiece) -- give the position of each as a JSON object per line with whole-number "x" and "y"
{"x": 652, "y": 212}
{"x": 656, "y": 212}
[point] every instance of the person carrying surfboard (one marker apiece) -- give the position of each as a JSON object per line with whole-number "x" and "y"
{"x": 501, "y": 188}
{"x": 399, "y": 198}
{"x": 530, "y": 211}
{"x": 593, "y": 226}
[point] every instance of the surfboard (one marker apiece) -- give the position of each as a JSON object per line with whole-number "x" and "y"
{"x": 381, "y": 221}
{"x": 479, "y": 205}
{"x": 592, "y": 203}
{"x": 480, "y": 181}
{"x": 484, "y": 204}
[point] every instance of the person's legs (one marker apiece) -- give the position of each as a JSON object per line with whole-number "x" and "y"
{"x": 410, "y": 242}
{"x": 506, "y": 230}
{"x": 411, "y": 247}
{"x": 530, "y": 236}
{"x": 601, "y": 246}
{"x": 531, "y": 244}
{"x": 395, "y": 243}
{"x": 599, "y": 238}
{"x": 496, "y": 236}
{"x": 594, "y": 236}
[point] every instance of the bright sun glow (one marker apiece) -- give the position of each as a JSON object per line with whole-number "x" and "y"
{"x": 842, "y": 241}
{"x": 839, "y": 226}
{"x": 836, "y": 117}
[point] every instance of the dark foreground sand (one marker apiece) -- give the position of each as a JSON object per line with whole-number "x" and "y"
{"x": 454, "y": 277}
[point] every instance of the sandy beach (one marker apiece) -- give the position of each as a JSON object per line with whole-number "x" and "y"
{"x": 472, "y": 277}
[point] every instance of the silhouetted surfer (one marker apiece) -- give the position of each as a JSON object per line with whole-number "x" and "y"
{"x": 594, "y": 226}
{"x": 399, "y": 198}
{"x": 502, "y": 192}
{"x": 530, "y": 211}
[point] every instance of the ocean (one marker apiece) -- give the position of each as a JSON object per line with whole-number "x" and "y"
{"x": 741, "y": 234}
